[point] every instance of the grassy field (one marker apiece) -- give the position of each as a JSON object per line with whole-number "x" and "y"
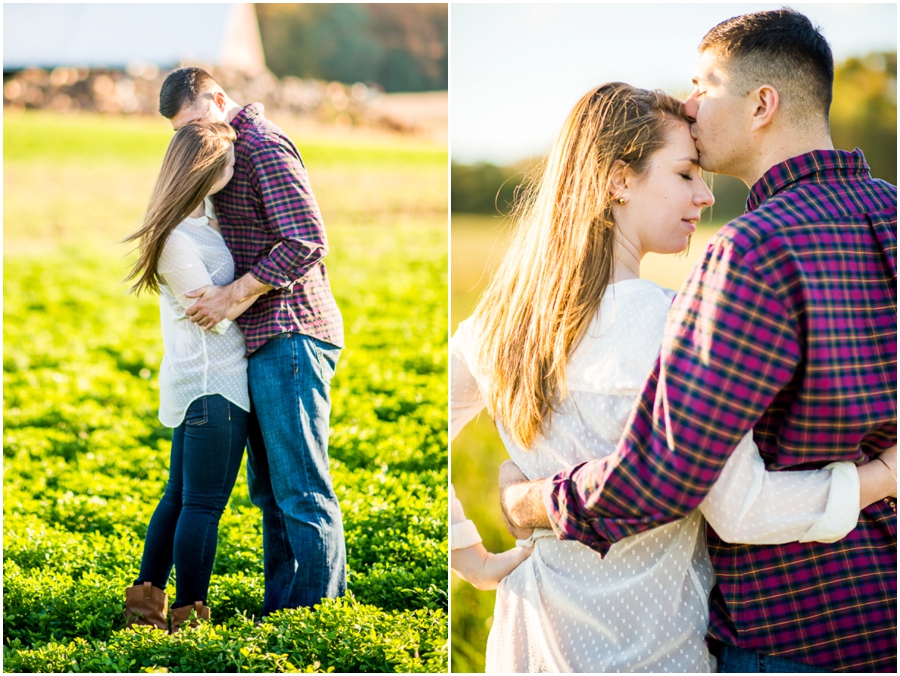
{"x": 85, "y": 459}
{"x": 477, "y": 245}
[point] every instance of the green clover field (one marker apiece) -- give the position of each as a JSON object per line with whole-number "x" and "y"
{"x": 85, "y": 458}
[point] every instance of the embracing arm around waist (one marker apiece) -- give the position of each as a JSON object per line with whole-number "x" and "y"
{"x": 183, "y": 271}
{"x": 729, "y": 347}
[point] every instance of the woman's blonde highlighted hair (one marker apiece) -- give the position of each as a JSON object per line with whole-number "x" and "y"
{"x": 561, "y": 256}
{"x": 195, "y": 159}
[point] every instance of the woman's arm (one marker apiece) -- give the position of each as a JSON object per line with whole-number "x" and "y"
{"x": 468, "y": 557}
{"x": 751, "y": 505}
{"x": 183, "y": 271}
{"x": 878, "y": 478}
{"x": 465, "y": 395}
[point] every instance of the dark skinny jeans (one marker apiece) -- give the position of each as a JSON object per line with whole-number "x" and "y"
{"x": 207, "y": 449}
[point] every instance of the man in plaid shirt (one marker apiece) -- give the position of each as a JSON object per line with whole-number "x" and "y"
{"x": 273, "y": 228}
{"x": 786, "y": 326}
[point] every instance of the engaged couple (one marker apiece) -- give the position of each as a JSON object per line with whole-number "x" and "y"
{"x": 233, "y": 242}
{"x": 702, "y": 481}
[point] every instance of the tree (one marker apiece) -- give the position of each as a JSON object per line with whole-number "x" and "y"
{"x": 402, "y": 47}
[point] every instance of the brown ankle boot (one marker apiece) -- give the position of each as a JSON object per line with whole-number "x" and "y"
{"x": 146, "y": 605}
{"x": 180, "y": 616}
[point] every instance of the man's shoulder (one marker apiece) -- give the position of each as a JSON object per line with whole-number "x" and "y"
{"x": 259, "y": 132}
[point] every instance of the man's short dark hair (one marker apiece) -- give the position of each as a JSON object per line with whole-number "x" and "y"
{"x": 779, "y": 47}
{"x": 182, "y": 88}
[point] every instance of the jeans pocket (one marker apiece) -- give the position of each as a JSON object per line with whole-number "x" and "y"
{"x": 197, "y": 413}
{"x": 327, "y": 359}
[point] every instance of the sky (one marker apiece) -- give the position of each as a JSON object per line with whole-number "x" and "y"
{"x": 517, "y": 69}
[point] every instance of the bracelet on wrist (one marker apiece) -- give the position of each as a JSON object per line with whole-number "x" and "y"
{"x": 888, "y": 468}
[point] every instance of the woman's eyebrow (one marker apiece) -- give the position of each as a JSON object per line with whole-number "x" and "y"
{"x": 692, "y": 160}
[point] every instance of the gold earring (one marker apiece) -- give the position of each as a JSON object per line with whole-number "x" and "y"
{"x": 621, "y": 200}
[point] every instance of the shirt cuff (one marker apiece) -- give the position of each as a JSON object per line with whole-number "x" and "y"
{"x": 463, "y": 534}
{"x": 222, "y": 326}
{"x": 563, "y": 510}
{"x": 269, "y": 274}
{"x": 842, "y": 509}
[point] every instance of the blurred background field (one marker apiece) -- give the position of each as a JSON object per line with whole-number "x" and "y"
{"x": 85, "y": 457}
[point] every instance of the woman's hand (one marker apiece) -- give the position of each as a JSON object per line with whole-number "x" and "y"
{"x": 484, "y": 570}
{"x": 878, "y": 478}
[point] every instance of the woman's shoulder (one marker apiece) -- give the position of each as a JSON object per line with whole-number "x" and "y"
{"x": 632, "y": 304}
{"x": 623, "y": 339}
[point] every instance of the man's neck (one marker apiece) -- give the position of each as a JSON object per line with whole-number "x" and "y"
{"x": 231, "y": 110}
{"x": 782, "y": 148}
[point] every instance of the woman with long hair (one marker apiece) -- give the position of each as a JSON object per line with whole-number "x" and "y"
{"x": 202, "y": 379}
{"x": 557, "y": 350}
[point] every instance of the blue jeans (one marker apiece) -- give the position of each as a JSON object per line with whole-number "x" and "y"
{"x": 739, "y": 661}
{"x": 207, "y": 449}
{"x": 287, "y": 468}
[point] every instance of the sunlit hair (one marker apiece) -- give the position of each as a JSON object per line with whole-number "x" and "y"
{"x": 196, "y": 158}
{"x": 561, "y": 256}
{"x": 782, "y": 48}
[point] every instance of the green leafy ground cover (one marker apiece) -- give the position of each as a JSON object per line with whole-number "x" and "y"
{"x": 85, "y": 459}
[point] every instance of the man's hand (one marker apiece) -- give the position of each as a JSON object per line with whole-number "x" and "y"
{"x": 212, "y": 306}
{"x": 522, "y": 502}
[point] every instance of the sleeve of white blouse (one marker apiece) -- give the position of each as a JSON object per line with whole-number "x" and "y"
{"x": 463, "y": 532}
{"x": 183, "y": 271}
{"x": 751, "y": 505}
{"x": 465, "y": 395}
{"x": 465, "y": 403}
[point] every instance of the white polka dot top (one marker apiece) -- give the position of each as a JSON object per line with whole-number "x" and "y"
{"x": 197, "y": 362}
{"x": 643, "y": 607}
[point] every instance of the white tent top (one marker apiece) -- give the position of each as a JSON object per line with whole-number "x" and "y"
{"x": 116, "y": 35}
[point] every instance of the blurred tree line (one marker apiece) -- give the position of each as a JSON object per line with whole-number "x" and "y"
{"x": 863, "y": 115}
{"x": 402, "y": 47}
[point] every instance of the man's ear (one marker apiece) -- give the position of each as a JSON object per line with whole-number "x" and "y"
{"x": 218, "y": 99}
{"x": 618, "y": 179}
{"x": 765, "y": 100}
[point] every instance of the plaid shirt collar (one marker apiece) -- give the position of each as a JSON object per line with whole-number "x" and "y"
{"x": 247, "y": 114}
{"x": 828, "y": 163}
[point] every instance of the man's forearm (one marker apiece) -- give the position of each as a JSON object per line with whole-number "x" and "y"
{"x": 525, "y": 504}
{"x": 246, "y": 287}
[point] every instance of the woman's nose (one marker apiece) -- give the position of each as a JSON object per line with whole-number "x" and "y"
{"x": 704, "y": 197}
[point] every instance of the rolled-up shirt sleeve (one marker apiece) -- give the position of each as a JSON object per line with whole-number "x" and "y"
{"x": 729, "y": 348}
{"x": 280, "y": 179}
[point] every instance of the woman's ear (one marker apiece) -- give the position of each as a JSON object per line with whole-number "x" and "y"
{"x": 618, "y": 180}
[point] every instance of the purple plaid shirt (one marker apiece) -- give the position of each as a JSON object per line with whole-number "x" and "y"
{"x": 273, "y": 227}
{"x": 788, "y": 327}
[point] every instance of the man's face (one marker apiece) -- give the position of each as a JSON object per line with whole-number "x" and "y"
{"x": 720, "y": 114}
{"x": 205, "y": 109}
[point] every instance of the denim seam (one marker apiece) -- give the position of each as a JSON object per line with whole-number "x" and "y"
{"x": 205, "y": 413}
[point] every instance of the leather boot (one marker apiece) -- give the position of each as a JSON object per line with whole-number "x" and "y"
{"x": 180, "y": 616}
{"x": 146, "y": 605}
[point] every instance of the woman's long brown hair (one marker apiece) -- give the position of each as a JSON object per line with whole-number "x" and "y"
{"x": 562, "y": 254}
{"x": 195, "y": 159}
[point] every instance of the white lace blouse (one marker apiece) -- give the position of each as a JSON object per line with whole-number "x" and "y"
{"x": 197, "y": 362}
{"x": 644, "y": 606}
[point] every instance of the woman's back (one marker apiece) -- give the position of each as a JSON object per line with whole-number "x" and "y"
{"x": 643, "y": 607}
